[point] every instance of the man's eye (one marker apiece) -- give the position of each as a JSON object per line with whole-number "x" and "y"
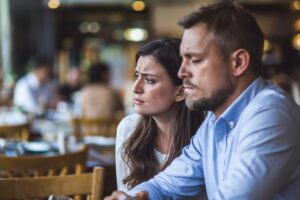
{"x": 136, "y": 76}
{"x": 196, "y": 60}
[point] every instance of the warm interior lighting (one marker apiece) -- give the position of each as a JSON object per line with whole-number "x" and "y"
{"x": 295, "y": 5}
{"x": 135, "y": 34}
{"x": 267, "y": 45}
{"x": 297, "y": 25}
{"x": 138, "y": 5}
{"x": 53, "y": 4}
{"x": 296, "y": 41}
{"x": 92, "y": 27}
{"x": 84, "y": 27}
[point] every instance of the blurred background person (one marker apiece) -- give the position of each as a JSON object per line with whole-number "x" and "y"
{"x": 34, "y": 91}
{"x": 284, "y": 81}
{"x": 66, "y": 92}
{"x": 98, "y": 98}
{"x": 150, "y": 139}
{"x": 288, "y": 83}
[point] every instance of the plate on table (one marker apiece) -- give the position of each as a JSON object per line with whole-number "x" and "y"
{"x": 100, "y": 140}
{"x": 37, "y": 147}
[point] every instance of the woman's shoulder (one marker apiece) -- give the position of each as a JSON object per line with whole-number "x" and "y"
{"x": 127, "y": 125}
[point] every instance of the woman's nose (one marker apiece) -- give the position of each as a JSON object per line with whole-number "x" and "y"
{"x": 137, "y": 87}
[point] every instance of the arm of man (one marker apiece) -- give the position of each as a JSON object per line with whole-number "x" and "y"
{"x": 183, "y": 178}
{"x": 266, "y": 156}
{"x": 23, "y": 97}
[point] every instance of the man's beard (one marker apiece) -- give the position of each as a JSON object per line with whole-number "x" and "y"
{"x": 211, "y": 103}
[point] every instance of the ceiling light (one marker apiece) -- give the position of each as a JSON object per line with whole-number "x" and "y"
{"x": 295, "y": 5}
{"x": 296, "y": 41}
{"x": 138, "y": 5}
{"x": 53, "y": 4}
{"x": 135, "y": 34}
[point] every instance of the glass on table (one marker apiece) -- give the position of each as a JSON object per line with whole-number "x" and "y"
{"x": 11, "y": 147}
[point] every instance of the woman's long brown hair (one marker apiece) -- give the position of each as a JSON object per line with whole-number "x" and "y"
{"x": 138, "y": 151}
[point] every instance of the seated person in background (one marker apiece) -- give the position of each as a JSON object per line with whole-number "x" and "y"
{"x": 98, "y": 98}
{"x": 73, "y": 85}
{"x": 284, "y": 81}
{"x": 248, "y": 146}
{"x": 148, "y": 141}
{"x": 34, "y": 91}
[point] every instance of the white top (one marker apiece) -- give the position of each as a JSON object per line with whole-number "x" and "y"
{"x": 29, "y": 93}
{"x": 124, "y": 130}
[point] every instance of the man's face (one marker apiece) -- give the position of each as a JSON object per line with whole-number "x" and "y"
{"x": 44, "y": 74}
{"x": 207, "y": 78}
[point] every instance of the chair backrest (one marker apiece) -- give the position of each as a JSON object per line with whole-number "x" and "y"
{"x": 15, "y": 132}
{"x": 96, "y": 126}
{"x": 86, "y": 184}
{"x": 26, "y": 166}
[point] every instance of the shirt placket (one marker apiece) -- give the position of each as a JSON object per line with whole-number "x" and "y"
{"x": 220, "y": 132}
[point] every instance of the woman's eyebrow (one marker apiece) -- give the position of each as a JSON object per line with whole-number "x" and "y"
{"x": 145, "y": 74}
{"x": 148, "y": 74}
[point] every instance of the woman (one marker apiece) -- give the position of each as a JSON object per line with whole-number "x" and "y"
{"x": 148, "y": 141}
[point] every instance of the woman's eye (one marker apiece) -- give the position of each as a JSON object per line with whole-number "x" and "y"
{"x": 150, "y": 81}
{"x": 136, "y": 76}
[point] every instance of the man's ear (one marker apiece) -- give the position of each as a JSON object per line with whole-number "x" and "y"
{"x": 180, "y": 96}
{"x": 240, "y": 61}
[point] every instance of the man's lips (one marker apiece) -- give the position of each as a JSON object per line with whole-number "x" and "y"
{"x": 188, "y": 87}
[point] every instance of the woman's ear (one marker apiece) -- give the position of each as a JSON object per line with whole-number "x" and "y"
{"x": 240, "y": 62}
{"x": 180, "y": 96}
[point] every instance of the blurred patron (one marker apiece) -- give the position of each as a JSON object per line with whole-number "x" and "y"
{"x": 98, "y": 98}
{"x": 65, "y": 92}
{"x": 34, "y": 91}
{"x": 288, "y": 84}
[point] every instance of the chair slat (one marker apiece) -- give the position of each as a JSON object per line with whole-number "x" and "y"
{"x": 97, "y": 126}
{"x": 42, "y": 187}
{"x": 42, "y": 165}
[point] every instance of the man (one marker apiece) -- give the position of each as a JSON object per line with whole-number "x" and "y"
{"x": 248, "y": 146}
{"x": 34, "y": 91}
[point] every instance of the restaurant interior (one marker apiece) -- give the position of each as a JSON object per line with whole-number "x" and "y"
{"x": 72, "y": 35}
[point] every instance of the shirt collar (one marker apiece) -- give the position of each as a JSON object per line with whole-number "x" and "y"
{"x": 33, "y": 80}
{"x": 233, "y": 112}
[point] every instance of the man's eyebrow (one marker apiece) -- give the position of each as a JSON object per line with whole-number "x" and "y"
{"x": 190, "y": 54}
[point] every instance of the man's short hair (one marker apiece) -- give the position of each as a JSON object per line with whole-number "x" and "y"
{"x": 37, "y": 63}
{"x": 233, "y": 28}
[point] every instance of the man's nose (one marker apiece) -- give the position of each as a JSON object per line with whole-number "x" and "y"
{"x": 182, "y": 73}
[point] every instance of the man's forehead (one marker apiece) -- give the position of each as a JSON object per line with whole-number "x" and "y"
{"x": 195, "y": 38}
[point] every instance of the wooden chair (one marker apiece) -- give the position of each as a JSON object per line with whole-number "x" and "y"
{"x": 88, "y": 184}
{"x": 15, "y": 132}
{"x": 95, "y": 127}
{"x": 27, "y": 166}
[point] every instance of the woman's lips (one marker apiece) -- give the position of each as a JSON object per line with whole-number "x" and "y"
{"x": 138, "y": 102}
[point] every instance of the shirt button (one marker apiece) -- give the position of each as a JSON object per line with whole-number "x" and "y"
{"x": 231, "y": 124}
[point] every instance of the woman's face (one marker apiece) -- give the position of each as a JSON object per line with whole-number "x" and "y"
{"x": 154, "y": 92}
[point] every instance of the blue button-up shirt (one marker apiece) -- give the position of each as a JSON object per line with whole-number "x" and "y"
{"x": 251, "y": 151}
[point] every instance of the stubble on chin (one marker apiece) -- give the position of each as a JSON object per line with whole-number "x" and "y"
{"x": 213, "y": 102}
